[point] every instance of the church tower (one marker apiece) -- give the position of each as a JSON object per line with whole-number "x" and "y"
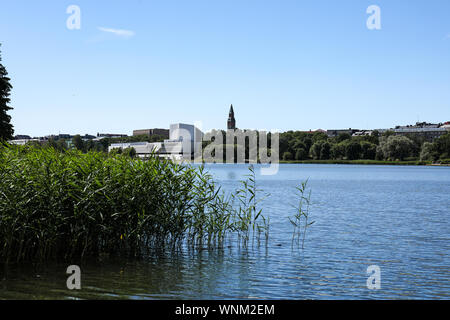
{"x": 231, "y": 124}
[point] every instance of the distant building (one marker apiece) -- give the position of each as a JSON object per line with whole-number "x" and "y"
{"x": 87, "y": 137}
{"x": 420, "y": 125}
{"x": 111, "y": 135}
{"x": 152, "y": 132}
{"x": 58, "y": 136}
{"x": 429, "y": 131}
{"x": 21, "y": 142}
{"x": 183, "y": 143}
{"x": 231, "y": 123}
{"x": 362, "y": 133}
{"x": 313, "y": 131}
{"x": 336, "y": 132}
{"x": 22, "y": 137}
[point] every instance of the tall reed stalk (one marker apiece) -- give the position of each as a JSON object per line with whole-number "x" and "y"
{"x": 249, "y": 219}
{"x": 300, "y": 220}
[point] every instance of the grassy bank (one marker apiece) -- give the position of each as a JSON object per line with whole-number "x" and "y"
{"x": 65, "y": 205}
{"x": 366, "y": 162}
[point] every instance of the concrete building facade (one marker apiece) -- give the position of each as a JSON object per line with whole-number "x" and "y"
{"x": 183, "y": 143}
{"x": 152, "y": 132}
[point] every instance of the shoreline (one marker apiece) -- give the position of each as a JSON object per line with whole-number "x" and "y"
{"x": 350, "y": 162}
{"x": 367, "y": 162}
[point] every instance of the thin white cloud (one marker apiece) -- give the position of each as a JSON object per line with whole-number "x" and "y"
{"x": 118, "y": 32}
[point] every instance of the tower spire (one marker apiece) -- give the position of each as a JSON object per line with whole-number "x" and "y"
{"x": 231, "y": 123}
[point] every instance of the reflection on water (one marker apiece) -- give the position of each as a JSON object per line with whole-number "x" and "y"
{"x": 394, "y": 217}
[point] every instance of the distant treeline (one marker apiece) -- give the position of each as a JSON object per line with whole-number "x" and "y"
{"x": 303, "y": 146}
{"x": 295, "y": 145}
{"x": 313, "y": 146}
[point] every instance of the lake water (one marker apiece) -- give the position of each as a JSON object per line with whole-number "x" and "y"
{"x": 396, "y": 217}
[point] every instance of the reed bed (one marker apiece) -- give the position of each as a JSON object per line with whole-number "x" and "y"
{"x": 61, "y": 206}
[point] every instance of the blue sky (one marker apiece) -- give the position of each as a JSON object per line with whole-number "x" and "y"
{"x": 282, "y": 64}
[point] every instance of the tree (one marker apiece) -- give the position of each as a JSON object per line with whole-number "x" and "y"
{"x": 325, "y": 151}
{"x": 6, "y": 128}
{"x": 61, "y": 145}
{"x": 103, "y": 145}
{"x": 301, "y": 154}
{"x": 115, "y": 151}
{"x": 388, "y": 133}
{"x": 319, "y": 136}
{"x": 396, "y": 147}
{"x": 299, "y": 145}
{"x": 130, "y": 152}
{"x": 353, "y": 150}
{"x": 287, "y": 156}
{"x": 368, "y": 150}
{"x": 429, "y": 152}
{"x": 90, "y": 145}
{"x": 315, "y": 150}
{"x": 338, "y": 150}
{"x": 343, "y": 136}
{"x": 78, "y": 142}
{"x": 442, "y": 145}
{"x": 52, "y": 143}
{"x": 284, "y": 142}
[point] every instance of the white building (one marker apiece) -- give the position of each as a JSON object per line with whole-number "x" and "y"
{"x": 184, "y": 141}
{"x": 22, "y": 142}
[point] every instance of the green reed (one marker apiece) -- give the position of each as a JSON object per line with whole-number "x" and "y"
{"x": 248, "y": 216}
{"x": 301, "y": 220}
{"x": 70, "y": 205}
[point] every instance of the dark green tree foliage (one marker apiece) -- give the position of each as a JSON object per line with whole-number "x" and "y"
{"x": 59, "y": 145}
{"x": 319, "y": 136}
{"x": 130, "y": 152}
{"x": 78, "y": 143}
{"x": 301, "y": 145}
{"x": 368, "y": 150}
{"x": 6, "y": 129}
{"x": 396, "y": 147}
{"x": 343, "y": 136}
{"x": 301, "y": 154}
{"x": 321, "y": 150}
{"x": 442, "y": 146}
{"x": 325, "y": 151}
{"x": 315, "y": 150}
{"x": 353, "y": 150}
{"x": 338, "y": 150}
{"x": 429, "y": 152}
{"x": 287, "y": 156}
